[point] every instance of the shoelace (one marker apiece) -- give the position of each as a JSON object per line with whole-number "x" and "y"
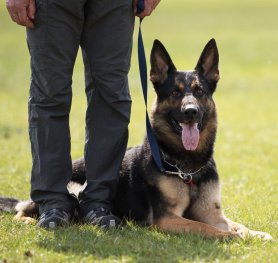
{"x": 97, "y": 214}
{"x": 57, "y": 213}
{"x": 54, "y": 216}
{"x": 102, "y": 217}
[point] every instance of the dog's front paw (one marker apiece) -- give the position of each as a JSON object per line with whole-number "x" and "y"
{"x": 262, "y": 235}
{"x": 239, "y": 232}
{"x": 229, "y": 235}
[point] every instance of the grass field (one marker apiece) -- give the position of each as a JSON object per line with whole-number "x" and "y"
{"x": 246, "y": 148}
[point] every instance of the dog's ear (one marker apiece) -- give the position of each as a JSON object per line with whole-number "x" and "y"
{"x": 208, "y": 63}
{"x": 161, "y": 63}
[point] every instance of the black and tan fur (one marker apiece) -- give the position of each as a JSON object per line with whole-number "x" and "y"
{"x": 150, "y": 197}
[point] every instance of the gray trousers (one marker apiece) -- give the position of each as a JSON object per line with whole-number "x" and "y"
{"x": 104, "y": 31}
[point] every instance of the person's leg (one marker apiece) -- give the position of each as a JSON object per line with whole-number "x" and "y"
{"x": 53, "y": 46}
{"x": 106, "y": 45}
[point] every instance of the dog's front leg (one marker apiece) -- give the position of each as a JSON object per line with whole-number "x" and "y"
{"x": 176, "y": 224}
{"x": 207, "y": 209}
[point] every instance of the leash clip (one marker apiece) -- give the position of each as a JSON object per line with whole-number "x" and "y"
{"x": 186, "y": 178}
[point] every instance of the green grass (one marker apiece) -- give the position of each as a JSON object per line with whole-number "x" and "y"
{"x": 246, "y": 148}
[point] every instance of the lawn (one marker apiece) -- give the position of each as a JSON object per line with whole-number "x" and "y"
{"x": 246, "y": 149}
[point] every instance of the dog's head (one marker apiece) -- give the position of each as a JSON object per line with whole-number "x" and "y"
{"x": 184, "y": 115}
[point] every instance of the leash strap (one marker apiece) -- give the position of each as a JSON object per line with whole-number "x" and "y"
{"x": 140, "y": 6}
{"x": 144, "y": 82}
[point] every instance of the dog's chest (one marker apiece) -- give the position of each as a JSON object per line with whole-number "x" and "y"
{"x": 176, "y": 194}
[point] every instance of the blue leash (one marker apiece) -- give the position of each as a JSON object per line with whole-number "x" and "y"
{"x": 140, "y": 6}
{"x": 144, "y": 82}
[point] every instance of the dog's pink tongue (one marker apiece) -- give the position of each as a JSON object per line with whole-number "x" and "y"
{"x": 190, "y": 136}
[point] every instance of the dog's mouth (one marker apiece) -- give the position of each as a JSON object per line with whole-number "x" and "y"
{"x": 189, "y": 132}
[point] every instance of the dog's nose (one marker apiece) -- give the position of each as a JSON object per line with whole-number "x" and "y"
{"x": 190, "y": 111}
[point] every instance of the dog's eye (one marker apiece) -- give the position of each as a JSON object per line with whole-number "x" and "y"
{"x": 176, "y": 94}
{"x": 199, "y": 92}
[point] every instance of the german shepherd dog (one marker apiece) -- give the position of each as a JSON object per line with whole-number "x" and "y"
{"x": 185, "y": 198}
